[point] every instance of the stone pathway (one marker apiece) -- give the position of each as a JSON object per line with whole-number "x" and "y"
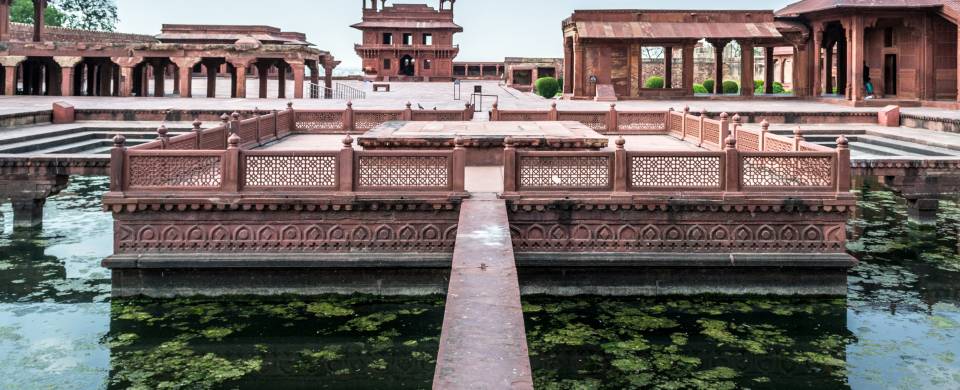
{"x": 483, "y": 344}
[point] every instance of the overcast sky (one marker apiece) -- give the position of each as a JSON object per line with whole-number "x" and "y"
{"x": 493, "y": 29}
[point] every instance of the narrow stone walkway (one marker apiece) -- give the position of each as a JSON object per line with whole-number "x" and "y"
{"x": 483, "y": 344}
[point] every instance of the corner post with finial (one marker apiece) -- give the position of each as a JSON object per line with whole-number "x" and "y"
{"x": 118, "y": 156}
{"x": 197, "y": 133}
{"x": 666, "y": 120}
{"x": 736, "y": 124}
{"x": 495, "y": 113}
{"x": 724, "y": 128}
{"x": 797, "y": 139}
{"x": 686, "y": 114}
{"x": 276, "y": 120}
{"x": 162, "y": 136}
{"x": 231, "y": 162}
{"x": 620, "y": 168}
{"x": 459, "y": 165}
{"x": 467, "y": 112}
{"x": 553, "y": 115}
{"x": 843, "y": 165}
{"x": 349, "y": 123}
{"x": 764, "y": 129}
{"x": 732, "y": 166}
{"x": 407, "y": 113}
{"x": 612, "y": 119}
{"x": 345, "y": 164}
{"x": 509, "y": 166}
{"x": 291, "y": 118}
{"x": 703, "y": 117}
{"x": 225, "y": 123}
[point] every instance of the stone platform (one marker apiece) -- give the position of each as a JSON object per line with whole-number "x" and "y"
{"x": 484, "y": 140}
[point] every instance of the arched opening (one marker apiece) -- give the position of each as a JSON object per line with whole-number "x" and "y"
{"x": 408, "y": 66}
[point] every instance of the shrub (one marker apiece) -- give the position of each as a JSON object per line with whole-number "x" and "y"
{"x": 778, "y": 87}
{"x": 761, "y": 87}
{"x": 560, "y": 83}
{"x": 709, "y": 84}
{"x": 547, "y": 87}
{"x": 758, "y": 86}
{"x": 731, "y": 87}
{"x": 654, "y": 82}
{"x": 699, "y": 88}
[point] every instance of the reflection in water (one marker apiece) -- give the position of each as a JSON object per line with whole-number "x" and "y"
{"x": 898, "y": 328}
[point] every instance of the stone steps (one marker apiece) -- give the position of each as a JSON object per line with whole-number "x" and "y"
{"x": 43, "y": 145}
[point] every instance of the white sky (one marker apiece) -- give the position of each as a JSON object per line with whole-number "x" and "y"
{"x": 493, "y": 29}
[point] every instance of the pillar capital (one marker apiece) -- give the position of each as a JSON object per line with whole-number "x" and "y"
{"x": 12, "y": 60}
{"x": 67, "y": 62}
{"x": 241, "y": 62}
{"x": 126, "y": 62}
{"x": 185, "y": 62}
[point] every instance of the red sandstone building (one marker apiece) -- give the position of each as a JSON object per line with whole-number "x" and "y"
{"x": 907, "y": 48}
{"x": 40, "y": 60}
{"x": 408, "y": 42}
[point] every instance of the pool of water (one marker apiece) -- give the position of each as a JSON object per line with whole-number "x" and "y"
{"x": 898, "y": 327}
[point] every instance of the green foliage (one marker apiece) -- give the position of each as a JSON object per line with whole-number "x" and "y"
{"x": 699, "y": 88}
{"x": 100, "y": 15}
{"x": 654, "y": 82}
{"x": 731, "y": 87}
{"x": 760, "y": 87}
{"x": 560, "y": 84}
{"x": 547, "y": 87}
{"x": 709, "y": 84}
{"x": 22, "y": 12}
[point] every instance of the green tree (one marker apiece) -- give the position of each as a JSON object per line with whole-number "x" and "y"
{"x": 22, "y": 12}
{"x": 547, "y": 87}
{"x": 100, "y": 15}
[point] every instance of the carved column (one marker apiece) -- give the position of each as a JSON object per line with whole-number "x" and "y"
{"x": 185, "y": 70}
{"x": 817, "y": 85}
{"x": 211, "y": 66}
{"x": 746, "y": 69}
{"x": 688, "y": 68}
{"x": 67, "y": 65}
{"x": 718, "y": 47}
{"x": 768, "y": 71}
{"x": 828, "y": 68}
{"x": 281, "y": 79}
{"x": 579, "y": 69}
{"x": 10, "y": 64}
{"x": 39, "y": 6}
{"x": 126, "y": 65}
{"x": 240, "y": 70}
{"x": 856, "y": 59}
{"x": 314, "y": 79}
{"x": 328, "y": 68}
{"x": 159, "y": 72}
{"x": 298, "y": 75}
{"x": 263, "y": 72}
{"x": 668, "y": 67}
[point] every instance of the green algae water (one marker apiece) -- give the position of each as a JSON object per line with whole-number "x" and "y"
{"x": 899, "y": 326}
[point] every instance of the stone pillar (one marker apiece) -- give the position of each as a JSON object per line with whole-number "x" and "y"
{"x": 314, "y": 80}
{"x": 281, "y": 79}
{"x": 5, "y": 20}
{"x": 567, "y": 67}
{"x": 328, "y": 78}
{"x": 233, "y": 79}
{"x": 958, "y": 62}
{"x": 856, "y": 60}
{"x": 176, "y": 80}
{"x": 240, "y": 72}
{"x": 688, "y": 68}
{"x": 212, "y": 69}
{"x": 718, "y": 47}
{"x": 159, "y": 73}
{"x": 828, "y": 69}
{"x": 105, "y": 78}
{"x": 29, "y": 195}
{"x": 39, "y": 6}
{"x": 579, "y": 69}
{"x": 92, "y": 79}
{"x": 668, "y": 67}
{"x": 126, "y": 75}
{"x": 10, "y": 64}
{"x": 67, "y": 65}
{"x": 769, "y": 76}
{"x": 746, "y": 69}
{"x": 185, "y": 74}
{"x": 298, "y": 74}
{"x": 263, "y": 70}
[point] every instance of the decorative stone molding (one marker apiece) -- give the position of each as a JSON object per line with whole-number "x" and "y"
{"x": 12, "y": 61}
{"x": 67, "y": 62}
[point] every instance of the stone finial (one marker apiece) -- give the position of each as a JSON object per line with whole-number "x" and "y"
{"x": 225, "y": 118}
{"x": 409, "y": 105}
{"x": 736, "y": 118}
{"x": 348, "y": 142}
{"x": 197, "y": 124}
{"x": 620, "y": 142}
{"x": 553, "y": 105}
{"x": 162, "y": 131}
{"x": 686, "y": 109}
{"x": 703, "y": 112}
{"x": 508, "y": 142}
{"x": 458, "y": 142}
{"x": 289, "y": 105}
{"x": 613, "y": 106}
{"x": 731, "y": 142}
{"x": 235, "y": 116}
{"x": 496, "y": 105}
{"x": 724, "y": 116}
{"x": 842, "y": 143}
{"x": 119, "y": 140}
{"x": 233, "y": 141}
{"x": 765, "y": 126}
{"x": 798, "y": 133}
{"x": 349, "y": 104}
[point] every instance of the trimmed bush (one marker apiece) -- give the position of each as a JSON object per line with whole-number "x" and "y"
{"x": 699, "y": 88}
{"x": 731, "y": 87}
{"x": 708, "y": 85}
{"x": 547, "y": 87}
{"x": 758, "y": 86}
{"x": 761, "y": 87}
{"x": 654, "y": 82}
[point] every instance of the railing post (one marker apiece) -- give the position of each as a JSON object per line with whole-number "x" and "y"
{"x": 231, "y": 171}
{"x": 276, "y": 123}
{"x": 346, "y": 165}
{"x": 612, "y": 120}
{"x": 686, "y": 114}
{"x": 258, "y": 119}
{"x": 843, "y": 165}
{"x": 459, "y": 165}
{"x": 225, "y": 123}
{"x": 666, "y": 120}
{"x": 732, "y": 171}
{"x": 198, "y": 132}
{"x": 234, "y": 124}
{"x": 467, "y": 112}
{"x": 293, "y": 118}
{"x": 162, "y": 136}
{"x": 553, "y": 115}
{"x": 724, "y": 128}
{"x": 408, "y": 113}
{"x": 797, "y": 139}
{"x": 764, "y": 129}
{"x": 117, "y": 169}
{"x": 509, "y": 166}
{"x": 495, "y": 113}
{"x": 620, "y": 167}
{"x": 348, "y": 122}
{"x": 703, "y": 116}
